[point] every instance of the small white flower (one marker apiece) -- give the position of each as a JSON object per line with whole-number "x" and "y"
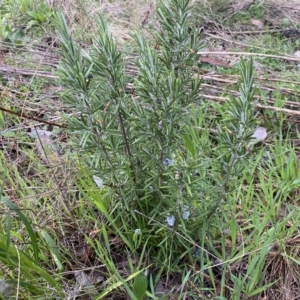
{"x": 138, "y": 231}
{"x": 98, "y": 181}
{"x": 151, "y": 188}
{"x": 159, "y": 125}
{"x": 170, "y": 220}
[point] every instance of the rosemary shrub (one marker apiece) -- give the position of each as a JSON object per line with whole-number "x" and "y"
{"x": 155, "y": 163}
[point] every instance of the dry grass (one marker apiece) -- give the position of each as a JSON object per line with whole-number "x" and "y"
{"x": 123, "y": 19}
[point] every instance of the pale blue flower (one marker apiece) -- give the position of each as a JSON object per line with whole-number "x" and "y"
{"x": 186, "y": 212}
{"x": 167, "y": 162}
{"x": 170, "y": 220}
{"x": 186, "y": 215}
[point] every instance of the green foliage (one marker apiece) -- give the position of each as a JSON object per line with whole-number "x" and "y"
{"x": 32, "y": 274}
{"x": 23, "y": 261}
{"x": 26, "y": 224}
{"x": 166, "y": 183}
{"x": 130, "y": 142}
{"x": 40, "y": 13}
{"x": 237, "y": 127}
{"x": 38, "y": 17}
{"x": 140, "y": 286}
{"x": 30, "y": 12}
{"x": 9, "y": 33}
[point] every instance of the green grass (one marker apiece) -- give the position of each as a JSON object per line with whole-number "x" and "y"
{"x": 56, "y": 223}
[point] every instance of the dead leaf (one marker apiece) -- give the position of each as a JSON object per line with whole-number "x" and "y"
{"x": 39, "y": 132}
{"x": 85, "y": 253}
{"x": 96, "y": 277}
{"x": 93, "y": 233}
{"x": 258, "y": 66}
{"x": 160, "y": 291}
{"x": 258, "y": 23}
{"x": 214, "y": 61}
{"x": 84, "y": 279}
{"x": 87, "y": 282}
{"x": 44, "y": 147}
{"x": 6, "y": 289}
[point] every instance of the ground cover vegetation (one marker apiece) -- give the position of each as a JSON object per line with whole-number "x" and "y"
{"x": 149, "y": 153}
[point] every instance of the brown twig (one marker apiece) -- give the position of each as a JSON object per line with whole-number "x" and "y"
{"x": 26, "y": 72}
{"x": 249, "y": 54}
{"x": 21, "y": 115}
